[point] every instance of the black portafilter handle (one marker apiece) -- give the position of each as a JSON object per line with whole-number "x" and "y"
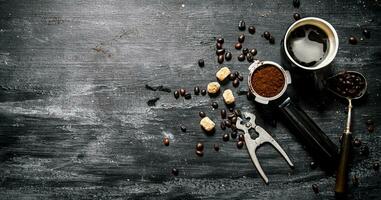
{"x": 311, "y": 136}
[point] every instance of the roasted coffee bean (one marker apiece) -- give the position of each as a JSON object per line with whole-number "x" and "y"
{"x": 249, "y": 58}
{"x": 239, "y": 144}
{"x": 251, "y": 29}
{"x": 232, "y": 76}
{"x": 223, "y": 113}
{"x": 357, "y": 142}
{"x": 199, "y": 153}
{"x": 249, "y": 96}
{"x": 245, "y": 51}
{"x": 266, "y": 35}
{"x": 355, "y": 180}
{"x": 240, "y": 77}
{"x": 313, "y": 165}
{"x": 225, "y": 137}
{"x": 238, "y": 46}
{"x": 203, "y": 92}
{"x": 238, "y": 113}
{"x": 241, "y": 57}
{"x": 228, "y": 123}
{"x": 199, "y": 146}
{"x": 369, "y": 122}
{"x": 364, "y": 150}
{"x": 182, "y": 92}
{"x": 183, "y": 128}
{"x": 215, "y": 105}
{"x": 220, "y": 40}
{"x": 222, "y": 125}
{"x": 216, "y": 147}
{"x": 237, "y": 73}
{"x": 218, "y": 45}
{"x": 166, "y": 141}
{"x": 220, "y": 59}
{"x": 175, "y": 171}
{"x": 352, "y": 40}
{"x": 253, "y": 51}
{"x": 230, "y": 115}
{"x": 366, "y": 33}
{"x": 201, "y": 63}
{"x": 241, "y": 25}
{"x": 371, "y": 128}
{"x": 241, "y": 38}
{"x": 236, "y": 82}
{"x": 220, "y": 52}
{"x": 176, "y": 94}
{"x": 228, "y": 56}
{"x": 202, "y": 114}
{"x": 241, "y": 137}
{"x": 272, "y": 39}
{"x": 376, "y": 166}
{"x": 315, "y": 188}
{"x": 297, "y": 16}
{"x": 196, "y": 90}
{"x": 188, "y": 96}
{"x": 234, "y": 120}
{"x": 296, "y": 3}
{"x": 233, "y": 134}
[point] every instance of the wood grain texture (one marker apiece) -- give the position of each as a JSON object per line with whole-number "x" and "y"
{"x": 74, "y": 122}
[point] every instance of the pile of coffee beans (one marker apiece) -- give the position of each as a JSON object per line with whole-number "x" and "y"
{"x": 348, "y": 84}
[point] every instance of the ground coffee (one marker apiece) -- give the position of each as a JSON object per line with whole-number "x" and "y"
{"x": 267, "y": 81}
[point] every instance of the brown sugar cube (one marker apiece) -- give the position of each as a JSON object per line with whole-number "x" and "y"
{"x": 228, "y": 96}
{"x": 222, "y": 74}
{"x": 213, "y": 87}
{"x": 207, "y": 124}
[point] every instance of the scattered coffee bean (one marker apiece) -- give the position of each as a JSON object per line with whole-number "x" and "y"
{"x": 313, "y": 165}
{"x": 230, "y": 115}
{"x": 366, "y": 33}
{"x": 272, "y": 39}
{"x": 369, "y": 122}
{"x": 376, "y": 166}
{"x": 297, "y": 16}
{"x": 183, "y": 128}
{"x": 241, "y": 57}
{"x": 371, "y": 128}
{"x": 241, "y": 137}
{"x": 236, "y": 73}
{"x": 188, "y": 96}
{"x": 215, "y": 105}
{"x": 220, "y": 52}
{"x": 216, "y": 147}
{"x": 238, "y": 46}
{"x": 239, "y": 144}
{"x": 176, "y": 94}
{"x": 236, "y": 82}
{"x": 238, "y": 113}
{"x": 203, "y": 92}
{"x": 201, "y": 63}
{"x": 223, "y": 113}
{"x": 218, "y": 45}
{"x": 266, "y": 35}
{"x": 249, "y": 96}
{"x": 182, "y": 92}
{"x": 166, "y": 141}
{"x": 352, "y": 40}
{"x": 241, "y": 25}
{"x": 240, "y": 77}
{"x": 315, "y": 188}
{"x": 199, "y": 153}
{"x": 202, "y": 114}
{"x": 356, "y": 142}
{"x": 364, "y": 150}
{"x": 220, "y": 59}
{"x": 355, "y": 180}
{"x": 222, "y": 125}
{"x": 251, "y": 29}
{"x": 199, "y": 146}
{"x": 253, "y": 51}
{"x": 241, "y": 38}
{"x": 234, "y": 120}
{"x": 245, "y": 51}
{"x": 196, "y": 90}
{"x": 228, "y": 56}
{"x": 296, "y": 3}
{"x": 175, "y": 171}
{"x": 220, "y": 40}
{"x": 152, "y": 102}
{"x": 225, "y": 137}
{"x": 232, "y": 76}
{"x": 249, "y": 58}
{"x": 233, "y": 134}
{"x": 228, "y": 123}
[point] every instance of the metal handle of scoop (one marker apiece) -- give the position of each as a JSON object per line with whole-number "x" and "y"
{"x": 306, "y": 130}
{"x": 342, "y": 170}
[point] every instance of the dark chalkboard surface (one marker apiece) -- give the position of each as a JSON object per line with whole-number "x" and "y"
{"x": 74, "y": 119}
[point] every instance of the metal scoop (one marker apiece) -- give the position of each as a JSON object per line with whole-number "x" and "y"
{"x": 350, "y": 85}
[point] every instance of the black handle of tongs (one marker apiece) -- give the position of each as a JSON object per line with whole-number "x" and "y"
{"x": 305, "y": 129}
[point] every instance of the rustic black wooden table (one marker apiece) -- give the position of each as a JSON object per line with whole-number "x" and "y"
{"x": 74, "y": 119}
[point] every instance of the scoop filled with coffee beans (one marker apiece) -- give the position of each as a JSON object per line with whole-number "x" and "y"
{"x": 349, "y": 85}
